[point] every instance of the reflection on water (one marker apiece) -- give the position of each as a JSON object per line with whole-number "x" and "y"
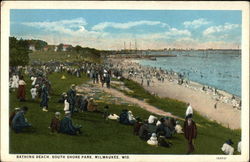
{"x": 220, "y": 69}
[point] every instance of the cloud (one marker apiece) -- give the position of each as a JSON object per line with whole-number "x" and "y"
{"x": 127, "y": 25}
{"x": 70, "y": 27}
{"x": 196, "y": 23}
{"x": 177, "y": 32}
{"x": 220, "y": 28}
{"x": 77, "y": 32}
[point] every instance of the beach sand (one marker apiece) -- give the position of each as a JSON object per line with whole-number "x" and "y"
{"x": 201, "y": 102}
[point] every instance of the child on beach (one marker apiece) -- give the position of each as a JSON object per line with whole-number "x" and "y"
{"x": 55, "y": 123}
{"x": 227, "y": 147}
{"x": 33, "y": 92}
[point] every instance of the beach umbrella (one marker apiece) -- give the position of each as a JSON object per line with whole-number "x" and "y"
{"x": 63, "y": 77}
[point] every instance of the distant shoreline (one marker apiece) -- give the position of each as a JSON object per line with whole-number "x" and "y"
{"x": 210, "y": 105}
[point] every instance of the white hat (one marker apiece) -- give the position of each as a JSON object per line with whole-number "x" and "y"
{"x": 67, "y": 112}
{"x": 129, "y": 112}
{"x": 151, "y": 119}
{"x": 153, "y": 135}
{"x": 17, "y": 108}
{"x": 57, "y": 113}
{"x": 158, "y": 123}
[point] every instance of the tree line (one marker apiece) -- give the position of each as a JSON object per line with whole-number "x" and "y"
{"x": 19, "y": 50}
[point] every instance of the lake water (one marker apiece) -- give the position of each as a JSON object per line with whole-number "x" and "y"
{"x": 220, "y": 69}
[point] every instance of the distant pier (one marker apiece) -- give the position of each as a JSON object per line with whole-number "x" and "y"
{"x": 140, "y": 56}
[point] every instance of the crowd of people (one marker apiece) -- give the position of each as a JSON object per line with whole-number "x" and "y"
{"x": 154, "y": 131}
{"x": 148, "y": 75}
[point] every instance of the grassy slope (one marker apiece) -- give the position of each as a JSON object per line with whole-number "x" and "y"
{"x": 99, "y": 136}
{"x": 210, "y": 133}
{"x": 61, "y": 56}
{"x": 102, "y": 136}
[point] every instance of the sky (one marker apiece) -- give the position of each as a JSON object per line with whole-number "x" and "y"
{"x": 111, "y": 29}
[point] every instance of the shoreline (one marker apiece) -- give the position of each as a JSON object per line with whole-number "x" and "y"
{"x": 208, "y": 89}
{"x": 216, "y": 107}
{"x": 222, "y": 92}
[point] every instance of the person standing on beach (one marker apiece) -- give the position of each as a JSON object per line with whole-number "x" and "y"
{"x": 189, "y": 111}
{"x": 190, "y": 133}
{"x": 21, "y": 89}
{"x": 142, "y": 81}
{"x": 44, "y": 98}
{"x": 72, "y": 98}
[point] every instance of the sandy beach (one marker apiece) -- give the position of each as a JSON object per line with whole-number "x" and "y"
{"x": 202, "y": 102}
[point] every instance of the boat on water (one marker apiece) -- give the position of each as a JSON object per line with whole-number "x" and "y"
{"x": 152, "y": 58}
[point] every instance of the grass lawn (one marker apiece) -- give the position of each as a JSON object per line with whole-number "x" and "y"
{"x": 62, "y": 56}
{"x": 101, "y": 136}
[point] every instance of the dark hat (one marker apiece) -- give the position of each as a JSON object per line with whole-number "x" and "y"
{"x": 230, "y": 142}
{"x": 106, "y": 106}
{"x": 162, "y": 120}
{"x": 25, "y": 108}
{"x": 189, "y": 116}
{"x": 138, "y": 119}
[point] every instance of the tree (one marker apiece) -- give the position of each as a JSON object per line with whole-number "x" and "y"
{"x": 19, "y": 52}
{"x": 39, "y": 44}
{"x": 60, "y": 47}
{"x": 78, "y": 48}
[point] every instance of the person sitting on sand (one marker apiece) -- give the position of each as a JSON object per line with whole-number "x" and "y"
{"x": 189, "y": 111}
{"x": 153, "y": 140}
{"x": 19, "y": 122}
{"x": 67, "y": 127}
{"x": 227, "y": 147}
{"x": 55, "y": 123}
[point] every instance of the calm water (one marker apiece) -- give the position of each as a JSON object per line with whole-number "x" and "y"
{"x": 220, "y": 69}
